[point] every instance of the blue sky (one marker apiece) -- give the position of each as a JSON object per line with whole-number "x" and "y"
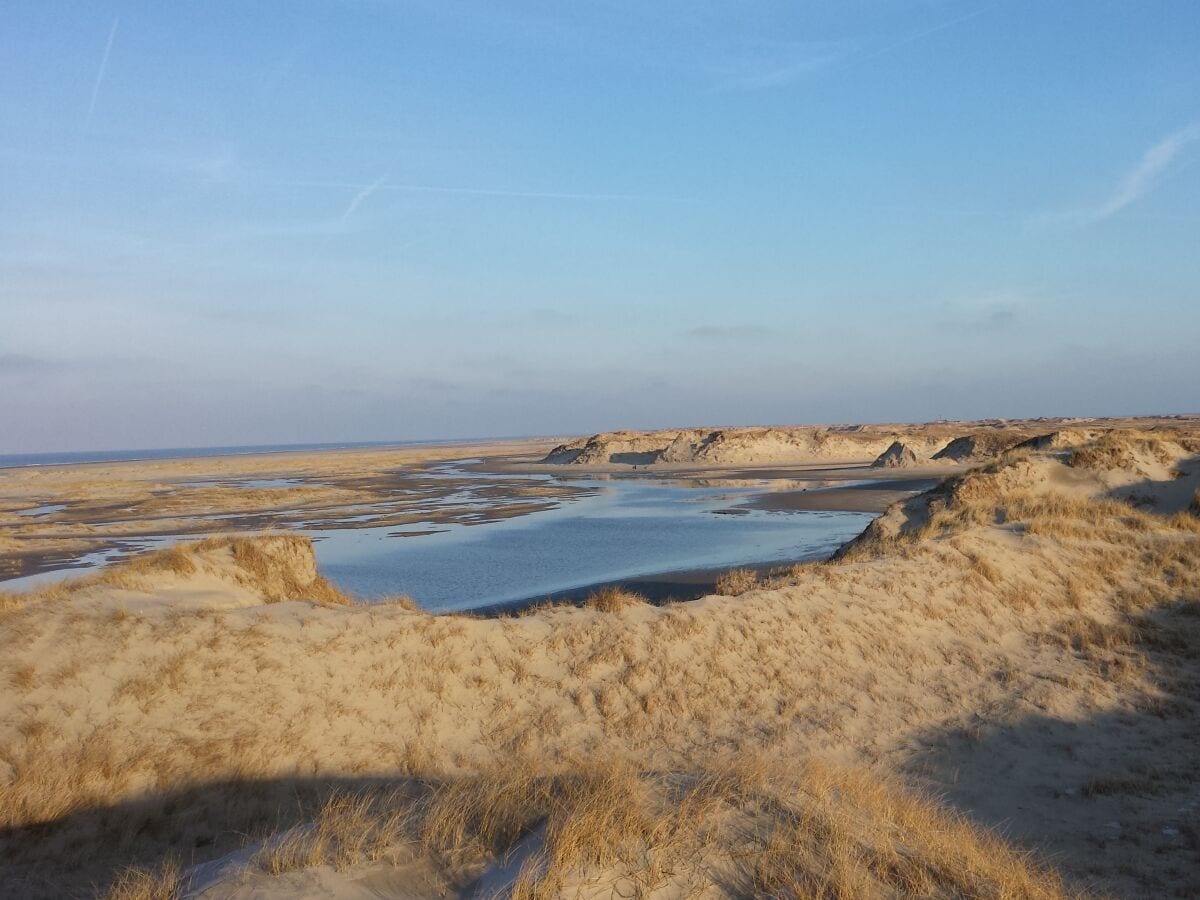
{"x": 233, "y": 222}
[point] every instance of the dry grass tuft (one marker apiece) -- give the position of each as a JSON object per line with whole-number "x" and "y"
{"x": 260, "y": 560}
{"x": 613, "y": 600}
{"x": 349, "y": 830}
{"x": 135, "y": 883}
{"x": 736, "y": 582}
{"x": 403, "y": 601}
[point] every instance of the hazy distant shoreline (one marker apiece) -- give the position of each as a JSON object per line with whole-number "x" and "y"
{"x": 87, "y": 457}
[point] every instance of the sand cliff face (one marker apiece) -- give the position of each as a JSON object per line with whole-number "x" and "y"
{"x": 1025, "y": 640}
{"x": 953, "y": 443}
{"x": 765, "y": 446}
{"x": 723, "y": 446}
{"x": 897, "y": 456}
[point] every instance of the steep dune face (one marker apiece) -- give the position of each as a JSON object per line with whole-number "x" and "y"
{"x": 726, "y": 446}
{"x": 952, "y": 442}
{"x": 1022, "y": 624}
{"x": 975, "y": 448}
{"x": 629, "y": 447}
{"x": 897, "y": 456}
{"x": 1059, "y": 440}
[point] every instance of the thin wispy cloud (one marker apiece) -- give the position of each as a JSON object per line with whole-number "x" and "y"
{"x": 471, "y": 191}
{"x": 987, "y": 314}
{"x": 772, "y": 72}
{"x": 1145, "y": 176}
{"x": 730, "y": 332}
{"x": 362, "y": 196}
{"x": 23, "y": 364}
{"x": 777, "y": 67}
{"x": 108, "y": 45}
{"x": 921, "y": 35}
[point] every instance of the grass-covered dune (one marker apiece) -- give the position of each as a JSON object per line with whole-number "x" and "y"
{"x": 992, "y": 693}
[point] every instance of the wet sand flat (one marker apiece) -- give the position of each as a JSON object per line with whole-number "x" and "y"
{"x": 57, "y": 515}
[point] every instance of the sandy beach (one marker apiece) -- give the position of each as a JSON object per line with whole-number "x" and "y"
{"x": 218, "y": 720}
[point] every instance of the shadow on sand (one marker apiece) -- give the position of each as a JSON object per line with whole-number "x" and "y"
{"x": 81, "y": 853}
{"x": 1111, "y": 797}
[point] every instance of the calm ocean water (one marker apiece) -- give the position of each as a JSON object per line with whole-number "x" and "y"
{"x": 13, "y": 460}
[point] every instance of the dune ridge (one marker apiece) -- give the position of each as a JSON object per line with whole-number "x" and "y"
{"x": 1031, "y": 626}
{"x": 944, "y": 442}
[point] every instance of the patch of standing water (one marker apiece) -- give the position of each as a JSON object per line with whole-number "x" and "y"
{"x": 626, "y": 528}
{"x": 46, "y": 510}
{"x": 618, "y": 528}
{"x": 84, "y": 564}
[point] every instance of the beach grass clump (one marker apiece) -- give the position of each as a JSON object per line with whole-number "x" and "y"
{"x": 736, "y": 582}
{"x": 613, "y": 600}
{"x": 165, "y": 882}
{"x": 350, "y": 829}
{"x": 401, "y": 601}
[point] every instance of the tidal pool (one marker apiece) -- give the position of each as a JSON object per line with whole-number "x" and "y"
{"x": 625, "y": 529}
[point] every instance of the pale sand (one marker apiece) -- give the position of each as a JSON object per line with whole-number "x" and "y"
{"x": 689, "y": 448}
{"x": 1016, "y": 640}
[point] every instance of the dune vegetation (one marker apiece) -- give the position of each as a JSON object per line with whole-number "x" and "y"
{"x": 993, "y": 692}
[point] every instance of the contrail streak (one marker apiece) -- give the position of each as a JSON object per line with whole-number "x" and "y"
{"x": 470, "y": 191}
{"x": 112, "y": 33}
{"x": 363, "y": 195}
{"x": 922, "y": 34}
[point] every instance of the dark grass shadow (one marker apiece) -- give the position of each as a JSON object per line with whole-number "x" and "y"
{"x": 1113, "y": 798}
{"x": 82, "y": 853}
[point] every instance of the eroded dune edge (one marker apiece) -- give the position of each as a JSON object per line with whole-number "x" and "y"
{"x": 991, "y": 693}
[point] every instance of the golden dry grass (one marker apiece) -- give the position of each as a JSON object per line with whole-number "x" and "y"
{"x": 350, "y": 829}
{"x": 736, "y": 582}
{"x": 277, "y": 566}
{"x": 613, "y": 600}
{"x": 163, "y": 882}
{"x": 748, "y": 827}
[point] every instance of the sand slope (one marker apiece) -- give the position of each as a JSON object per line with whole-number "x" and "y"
{"x": 951, "y": 442}
{"x": 1024, "y": 640}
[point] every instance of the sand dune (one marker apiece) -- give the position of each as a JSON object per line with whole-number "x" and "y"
{"x": 896, "y": 456}
{"x": 1023, "y": 641}
{"x": 957, "y": 442}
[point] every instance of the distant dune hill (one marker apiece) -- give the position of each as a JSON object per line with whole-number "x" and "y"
{"x": 1058, "y": 440}
{"x": 953, "y": 442}
{"x": 979, "y": 446}
{"x": 628, "y": 447}
{"x": 725, "y": 446}
{"x": 896, "y": 456}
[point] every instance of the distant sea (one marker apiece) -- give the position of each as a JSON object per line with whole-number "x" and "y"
{"x": 15, "y": 460}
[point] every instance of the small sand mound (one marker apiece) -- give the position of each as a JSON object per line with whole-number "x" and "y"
{"x": 897, "y": 456}
{"x": 1058, "y": 440}
{"x": 237, "y": 570}
{"x": 626, "y": 447}
{"x": 976, "y": 447}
